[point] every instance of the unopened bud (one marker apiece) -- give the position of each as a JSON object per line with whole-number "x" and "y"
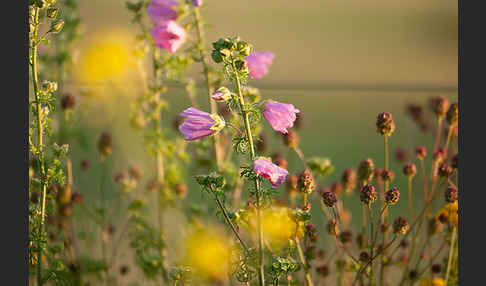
{"x": 52, "y": 12}
{"x": 420, "y": 152}
{"x": 439, "y": 105}
{"x": 221, "y": 94}
{"x": 387, "y": 176}
{"x": 56, "y": 26}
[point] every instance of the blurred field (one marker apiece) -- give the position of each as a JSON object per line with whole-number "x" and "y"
{"x": 340, "y": 62}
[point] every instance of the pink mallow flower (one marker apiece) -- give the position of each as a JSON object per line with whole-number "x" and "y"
{"x": 265, "y": 168}
{"x": 258, "y": 63}
{"x": 197, "y": 3}
{"x": 161, "y": 11}
{"x": 199, "y": 124}
{"x": 280, "y": 115}
{"x": 169, "y": 36}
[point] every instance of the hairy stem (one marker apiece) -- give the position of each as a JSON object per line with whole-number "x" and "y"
{"x": 246, "y": 121}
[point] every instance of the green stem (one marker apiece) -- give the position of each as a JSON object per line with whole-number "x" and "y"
{"x": 228, "y": 220}
{"x": 261, "y": 272}
{"x": 201, "y": 44}
{"x": 370, "y": 214}
{"x": 40, "y": 147}
{"x": 304, "y": 263}
{"x": 451, "y": 252}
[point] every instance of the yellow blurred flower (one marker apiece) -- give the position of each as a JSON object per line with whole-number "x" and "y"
{"x": 432, "y": 282}
{"x": 208, "y": 253}
{"x": 451, "y": 211}
{"x": 278, "y": 226}
{"x": 108, "y": 56}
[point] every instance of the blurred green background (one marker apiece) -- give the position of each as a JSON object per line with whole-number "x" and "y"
{"x": 339, "y": 62}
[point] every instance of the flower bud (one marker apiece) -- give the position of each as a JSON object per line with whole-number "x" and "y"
{"x": 244, "y": 50}
{"x": 124, "y": 269}
{"x": 451, "y": 195}
{"x": 400, "y": 225}
{"x": 365, "y": 170}
{"x": 368, "y": 194}
{"x": 332, "y": 227}
{"x": 409, "y": 170}
{"x": 420, "y": 152}
{"x": 392, "y": 196}
{"x": 52, "y": 12}
{"x": 348, "y": 180}
{"x": 444, "y": 170}
{"x": 387, "y": 176}
{"x": 439, "y": 105}
{"x": 329, "y": 199}
{"x": 56, "y": 26}
{"x": 291, "y": 139}
{"x": 105, "y": 144}
{"x": 346, "y": 236}
{"x": 385, "y": 124}
{"x": 49, "y": 86}
{"x": 68, "y": 101}
{"x": 453, "y": 114}
{"x": 221, "y": 94}
{"x": 306, "y": 183}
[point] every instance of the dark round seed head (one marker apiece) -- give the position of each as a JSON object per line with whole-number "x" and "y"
{"x": 436, "y": 268}
{"x": 329, "y": 199}
{"x": 400, "y": 225}
{"x": 392, "y": 196}
{"x": 85, "y": 164}
{"x": 105, "y": 144}
{"x": 323, "y": 270}
{"x": 364, "y": 256}
{"x": 68, "y": 101}
{"x": 455, "y": 161}
{"x": 451, "y": 195}
{"x": 346, "y": 236}
{"x": 368, "y": 194}
{"x": 306, "y": 183}
{"x": 444, "y": 170}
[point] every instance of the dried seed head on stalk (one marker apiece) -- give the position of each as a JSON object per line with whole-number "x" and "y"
{"x": 410, "y": 170}
{"x": 451, "y": 195}
{"x": 306, "y": 183}
{"x": 444, "y": 170}
{"x": 453, "y": 114}
{"x": 365, "y": 170}
{"x": 348, "y": 180}
{"x": 420, "y": 152}
{"x": 439, "y": 105}
{"x": 368, "y": 194}
{"x": 387, "y": 176}
{"x": 385, "y": 124}
{"x": 400, "y": 225}
{"x": 346, "y": 236}
{"x": 392, "y": 196}
{"x": 329, "y": 199}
